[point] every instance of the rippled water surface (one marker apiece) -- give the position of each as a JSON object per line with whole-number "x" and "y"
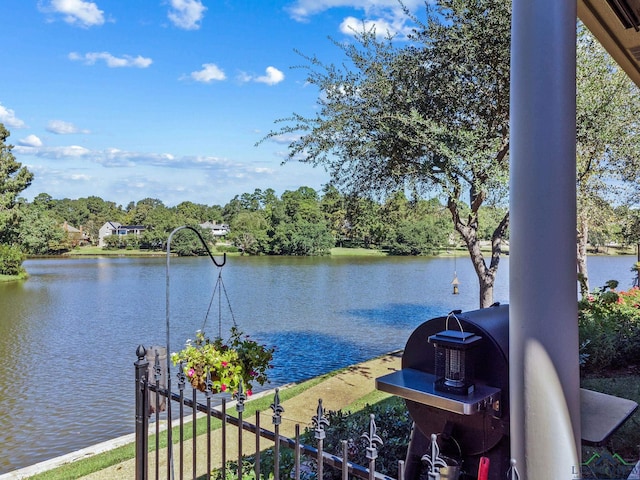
{"x": 68, "y": 335}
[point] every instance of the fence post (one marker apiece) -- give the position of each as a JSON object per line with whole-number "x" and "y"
{"x": 372, "y": 439}
{"x": 142, "y": 413}
{"x": 278, "y": 410}
{"x": 319, "y": 421}
{"x": 240, "y": 399}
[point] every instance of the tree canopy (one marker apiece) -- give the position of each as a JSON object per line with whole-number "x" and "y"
{"x": 431, "y": 115}
{"x": 607, "y": 143}
{"x": 14, "y": 178}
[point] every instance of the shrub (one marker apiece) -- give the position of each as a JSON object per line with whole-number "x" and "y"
{"x": 226, "y": 248}
{"x": 393, "y": 426}
{"x": 11, "y": 259}
{"x": 609, "y": 324}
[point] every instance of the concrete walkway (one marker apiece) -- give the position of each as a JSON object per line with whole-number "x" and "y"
{"x": 336, "y": 393}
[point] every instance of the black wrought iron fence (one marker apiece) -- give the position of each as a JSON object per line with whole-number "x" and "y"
{"x": 213, "y": 455}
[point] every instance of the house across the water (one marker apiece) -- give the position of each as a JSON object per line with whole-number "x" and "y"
{"x": 217, "y": 229}
{"x": 116, "y": 228}
{"x": 77, "y": 236}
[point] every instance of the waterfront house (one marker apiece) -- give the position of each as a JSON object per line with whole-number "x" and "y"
{"x": 116, "y": 228}
{"x": 217, "y": 229}
{"x": 76, "y": 236}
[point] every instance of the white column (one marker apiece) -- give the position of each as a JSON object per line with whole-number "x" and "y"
{"x": 543, "y": 333}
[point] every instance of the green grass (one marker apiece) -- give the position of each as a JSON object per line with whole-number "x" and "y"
{"x": 79, "y": 251}
{"x": 102, "y": 251}
{"x": 337, "y": 251}
{"x": 87, "y": 466}
{"x": 12, "y": 278}
{"x": 370, "y": 399}
{"x": 356, "y": 252}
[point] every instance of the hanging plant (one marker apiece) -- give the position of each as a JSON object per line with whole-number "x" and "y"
{"x": 228, "y": 366}
{"x": 239, "y": 361}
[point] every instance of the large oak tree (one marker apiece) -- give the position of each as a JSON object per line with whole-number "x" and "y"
{"x": 431, "y": 115}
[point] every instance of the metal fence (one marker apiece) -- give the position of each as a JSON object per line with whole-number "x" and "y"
{"x": 212, "y": 454}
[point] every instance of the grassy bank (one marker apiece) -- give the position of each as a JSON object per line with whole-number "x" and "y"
{"x": 356, "y": 252}
{"x": 99, "y": 251}
{"x": 117, "y": 253}
{"x": 12, "y": 278}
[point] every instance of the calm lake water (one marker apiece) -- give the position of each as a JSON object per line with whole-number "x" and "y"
{"x": 68, "y": 335}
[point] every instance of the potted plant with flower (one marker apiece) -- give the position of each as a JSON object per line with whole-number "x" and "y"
{"x": 238, "y": 361}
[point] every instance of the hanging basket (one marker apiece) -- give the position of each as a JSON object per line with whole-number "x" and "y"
{"x": 225, "y": 366}
{"x": 220, "y": 366}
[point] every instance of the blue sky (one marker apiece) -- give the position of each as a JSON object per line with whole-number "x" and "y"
{"x": 128, "y": 99}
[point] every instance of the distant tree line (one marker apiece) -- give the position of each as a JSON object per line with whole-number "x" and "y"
{"x": 300, "y": 222}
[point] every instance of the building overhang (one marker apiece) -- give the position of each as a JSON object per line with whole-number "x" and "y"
{"x": 616, "y": 25}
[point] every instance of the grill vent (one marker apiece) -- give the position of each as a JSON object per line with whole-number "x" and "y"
{"x": 628, "y": 11}
{"x": 635, "y": 52}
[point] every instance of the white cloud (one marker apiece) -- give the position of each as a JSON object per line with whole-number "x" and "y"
{"x": 9, "y": 119}
{"x": 387, "y": 16}
{"x": 114, "y": 157}
{"x": 382, "y": 27}
{"x": 301, "y": 10}
{"x": 30, "y": 141}
{"x": 60, "y": 127}
{"x": 186, "y": 13}
{"x": 122, "y": 176}
{"x": 209, "y": 73}
{"x": 71, "y": 151}
{"x": 272, "y": 76}
{"x": 111, "y": 61}
{"x": 244, "y": 77}
{"x": 78, "y": 12}
{"x": 80, "y": 177}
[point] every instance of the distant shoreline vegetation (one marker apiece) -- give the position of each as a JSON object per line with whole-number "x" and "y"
{"x": 300, "y": 222}
{"x": 335, "y": 251}
{"x": 303, "y": 222}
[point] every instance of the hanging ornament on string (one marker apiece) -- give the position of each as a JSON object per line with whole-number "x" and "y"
{"x": 455, "y": 281}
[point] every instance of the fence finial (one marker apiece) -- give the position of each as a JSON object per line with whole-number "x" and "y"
{"x": 277, "y": 408}
{"x": 141, "y": 352}
{"x": 240, "y": 397}
{"x": 182, "y": 377}
{"x": 320, "y": 421}
{"x": 372, "y": 438}
{"x": 208, "y": 384}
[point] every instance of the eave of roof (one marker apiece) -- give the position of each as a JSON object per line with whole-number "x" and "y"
{"x": 623, "y": 44}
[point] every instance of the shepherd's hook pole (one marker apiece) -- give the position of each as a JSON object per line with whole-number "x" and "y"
{"x": 168, "y": 328}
